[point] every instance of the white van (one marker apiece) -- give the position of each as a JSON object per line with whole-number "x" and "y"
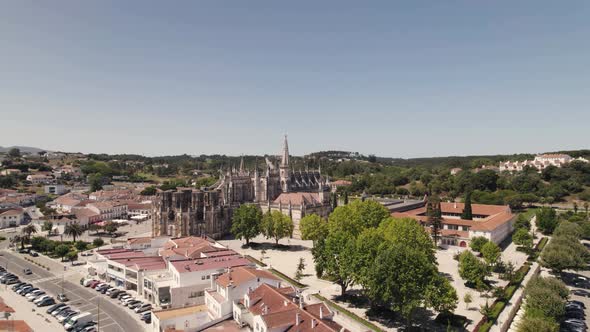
{"x": 79, "y": 319}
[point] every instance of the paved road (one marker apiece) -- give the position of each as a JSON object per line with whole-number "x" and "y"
{"x": 113, "y": 317}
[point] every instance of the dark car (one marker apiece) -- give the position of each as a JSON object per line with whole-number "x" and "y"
{"x": 13, "y": 281}
{"x": 55, "y": 307}
{"x": 17, "y": 285}
{"x": 46, "y": 302}
{"x": 27, "y": 271}
{"x": 114, "y": 294}
{"x": 81, "y": 327}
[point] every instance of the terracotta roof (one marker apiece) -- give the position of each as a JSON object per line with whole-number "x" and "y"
{"x": 341, "y": 183}
{"x": 298, "y": 198}
{"x": 139, "y": 206}
{"x": 279, "y": 308}
{"x": 139, "y": 240}
{"x": 491, "y": 216}
{"x": 180, "y": 312}
{"x": 85, "y": 212}
{"x": 15, "y": 325}
{"x": 11, "y": 212}
{"x": 239, "y": 275}
{"x": 202, "y": 264}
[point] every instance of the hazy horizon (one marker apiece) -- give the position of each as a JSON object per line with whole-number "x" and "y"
{"x": 418, "y": 79}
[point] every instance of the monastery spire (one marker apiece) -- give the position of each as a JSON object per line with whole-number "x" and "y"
{"x": 242, "y": 164}
{"x": 285, "y": 154}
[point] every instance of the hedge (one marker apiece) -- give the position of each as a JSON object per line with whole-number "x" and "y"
{"x": 254, "y": 260}
{"x": 287, "y": 278}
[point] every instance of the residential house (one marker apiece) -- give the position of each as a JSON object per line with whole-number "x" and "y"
{"x": 231, "y": 287}
{"x": 274, "y": 309}
{"x": 55, "y": 189}
{"x": 109, "y": 210}
{"x": 11, "y": 217}
{"x": 186, "y": 319}
{"x": 40, "y": 178}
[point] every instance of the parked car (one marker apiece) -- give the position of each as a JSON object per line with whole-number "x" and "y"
{"x": 62, "y": 297}
{"x": 86, "y": 282}
{"x": 86, "y": 325}
{"x": 114, "y": 293}
{"x": 143, "y": 308}
{"x": 29, "y": 290}
{"x": 127, "y": 300}
{"x": 12, "y": 281}
{"x": 135, "y": 305}
{"x": 22, "y": 290}
{"x": 34, "y": 254}
{"x": 121, "y": 294}
{"x": 27, "y": 271}
{"x": 40, "y": 298}
{"x": 94, "y": 284}
{"x": 64, "y": 316}
{"x": 61, "y": 310}
{"x": 33, "y": 295}
{"x": 54, "y": 307}
{"x": 17, "y": 285}
{"x": 145, "y": 315}
{"x": 104, "y": 290}
{"x": 45, "y": 302}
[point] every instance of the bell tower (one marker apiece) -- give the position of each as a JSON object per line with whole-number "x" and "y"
{"x": 284, "y": 171}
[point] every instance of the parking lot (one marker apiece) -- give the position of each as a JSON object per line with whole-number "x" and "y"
{"x": 110, "y": 317}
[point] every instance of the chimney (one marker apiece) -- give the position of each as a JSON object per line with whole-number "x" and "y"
{"x": 321, "y": 312}
{"x": 455, "y": 205}
{"x": 296, "y": 318}
{"x": 301, "y": 303}
{"x": 312, "y": 323}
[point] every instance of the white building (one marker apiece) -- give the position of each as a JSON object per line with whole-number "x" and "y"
{"x": 40, "y": 179}
{"x": 231, "y": 287}
{"x": 55, "y": 189}
{"x": 11, "y": 217}
{"x": 187, "y": 319}
{"x": 540, "y": 162}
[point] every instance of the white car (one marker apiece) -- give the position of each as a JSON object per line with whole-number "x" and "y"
{"x": 33, "y": 295}
{"x": 40, "y": 298}
{"x": 126, "y": 302}
{"x": 124, "y": 297}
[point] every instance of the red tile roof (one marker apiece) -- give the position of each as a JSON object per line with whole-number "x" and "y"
{"x": 298, "y": 198}
{"x": 203, "y": 264}
{"x": 239, "y": 275}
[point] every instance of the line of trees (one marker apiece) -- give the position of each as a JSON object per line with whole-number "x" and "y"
{"x": 248, "y": 222}
{"x": 544, "y": 305}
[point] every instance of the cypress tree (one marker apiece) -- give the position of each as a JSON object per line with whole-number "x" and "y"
{"x": 346, "y": 198}
{"x": 467, "y": 213}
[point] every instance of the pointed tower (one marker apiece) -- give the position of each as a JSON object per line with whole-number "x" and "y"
{"x": 284, "y": 167}
{"x": 242, "y": 165}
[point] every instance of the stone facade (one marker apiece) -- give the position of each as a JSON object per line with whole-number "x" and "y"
{"x": 208, "y": 211}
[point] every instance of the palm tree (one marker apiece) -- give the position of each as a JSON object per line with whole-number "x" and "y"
{"x": 27, "y": 231}
{"x": 73, "y": 230}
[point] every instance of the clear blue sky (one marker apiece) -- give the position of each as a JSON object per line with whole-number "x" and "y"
{"x": 393, "y": 78}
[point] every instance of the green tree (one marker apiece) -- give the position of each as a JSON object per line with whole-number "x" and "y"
{"x": 149, "y": 191}
{"x": 467, "y": 299}
{"x": 26, "y": 233}
{"x": 94, "y": 227}
{"x": 367, "y": 248}
{"x": 14, "y": 153}
{"x": 569, "y": 229}
{"x": 524, "y": 238}
{"x": 81, "y": 245}
{"x": 434, "y": 214}
{"x": 545, "y": 297}
{"x": 345, "y": 199}
{"x": 467, "y": 212}
{"x": 546, "y": 220}
{"x": 562, "y": 254}
{"x": 98, "y": 242}
{"x": 72, "y": 255}
{"x": 95, "y": 181}
{"x": 111, "y": 227}
{"x": 73, "y": 230}
{"x": 47, "y": 226}
{"x": 472, "y": 270}
{"x": 313, "y": 227}
{"x": 491, "y": 253}
{"x": 246, "y": 222}
{"x": 441, "y": 296}
{"x": 37, "y": 242}
{"x": 338, "y": 256}
{"x": 276, "y": 225}
{"x": 522, "y": 222}
{"x": 536, "y": 324}
{"x": 61, "y": 251}
{"x": 300, "y": 267}
{"x": 478, "y": 242}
